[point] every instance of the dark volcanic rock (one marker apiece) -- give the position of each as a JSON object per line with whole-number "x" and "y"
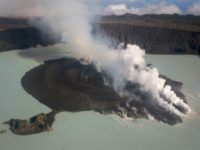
{"x": 3, "y": 131}
{"x": 67, "y": 85}
{"x": 37, "y": 124}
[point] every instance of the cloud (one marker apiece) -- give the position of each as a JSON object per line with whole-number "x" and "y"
{"x": 194, "y": 9}
{"x": 118, "y": 9}
{"x": 160, "y": 8}
{"x": 21, "y": 8}
{"x": 38, "y": 7}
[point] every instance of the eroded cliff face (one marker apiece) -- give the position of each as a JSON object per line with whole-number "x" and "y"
{"x": 157, "y": 34}
{"x": 155, "y": 40}
{"x": 22, "y": 38}
{"x": 18, "y": 33}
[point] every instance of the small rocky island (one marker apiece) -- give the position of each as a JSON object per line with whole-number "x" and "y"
{"x": 36, "y": 124}
{"x": 3, "y": 131}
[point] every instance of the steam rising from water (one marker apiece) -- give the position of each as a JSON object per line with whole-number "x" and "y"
{"x": 72, "y": 19}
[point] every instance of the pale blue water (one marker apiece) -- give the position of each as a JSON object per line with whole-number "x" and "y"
{"x": 92, "y": 131}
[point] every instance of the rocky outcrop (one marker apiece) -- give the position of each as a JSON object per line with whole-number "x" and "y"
{"x": 68, "y": 85}
{"x": 3, "y": 131}
{"x": 37, "y": 124}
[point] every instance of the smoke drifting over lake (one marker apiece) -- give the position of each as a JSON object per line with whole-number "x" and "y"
{"x": 72, "y": 20}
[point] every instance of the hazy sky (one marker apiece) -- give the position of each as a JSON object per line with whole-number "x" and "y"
{"x": 150, "y": 6}
{"x": 118, "y": 7}
{"x": 184, "y": 4}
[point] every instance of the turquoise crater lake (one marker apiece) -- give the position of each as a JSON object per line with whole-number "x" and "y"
{"x": 90, "y": 130}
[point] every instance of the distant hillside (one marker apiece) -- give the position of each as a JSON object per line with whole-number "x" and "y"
{"x": 157, "y": 34}
{"x": 179, "y": 22}
{"x": 17, "y": 33}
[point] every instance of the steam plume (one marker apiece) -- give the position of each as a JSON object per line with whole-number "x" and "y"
{"x": 73, "y": 20}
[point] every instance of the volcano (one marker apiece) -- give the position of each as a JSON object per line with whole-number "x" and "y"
{"x": 68, "y": 84}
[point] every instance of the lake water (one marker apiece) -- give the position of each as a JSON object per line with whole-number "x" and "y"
{"x": 92, "y": 131}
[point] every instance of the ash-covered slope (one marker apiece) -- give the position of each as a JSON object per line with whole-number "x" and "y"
{"x": 68, "y": 85}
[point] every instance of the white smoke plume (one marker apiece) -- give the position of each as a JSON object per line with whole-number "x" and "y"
{"x": 72, "y": 19}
